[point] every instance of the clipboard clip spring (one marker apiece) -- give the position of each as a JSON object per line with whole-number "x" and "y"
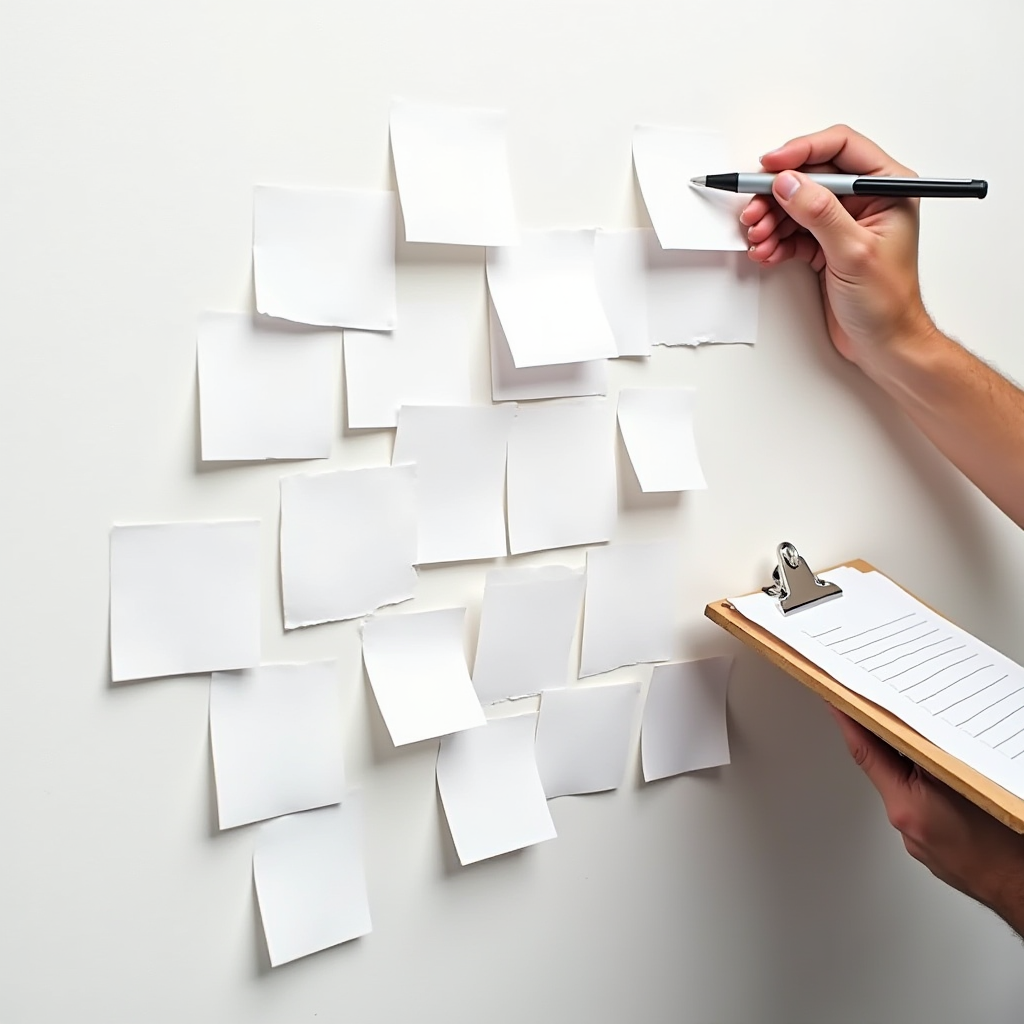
{"x": 795, "y": 584}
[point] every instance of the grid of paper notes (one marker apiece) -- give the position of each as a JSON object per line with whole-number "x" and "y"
{"x": 530, "y": 466}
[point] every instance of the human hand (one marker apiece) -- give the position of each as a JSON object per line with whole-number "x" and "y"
{"x": 957, "y": 841}
{"x": 864, "y": 248}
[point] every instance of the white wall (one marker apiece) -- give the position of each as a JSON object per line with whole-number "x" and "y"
{"x": 771, "y": 891}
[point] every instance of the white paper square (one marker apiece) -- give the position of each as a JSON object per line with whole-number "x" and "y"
{"x": 527, "y": 624}
{"x": 459, "y": 454}
{"x": 621, "y": 269}
{"x": 561, "y": 475}
{"x": 545, "y": 293}
{"x": 684, "y": 724}
{"x": 311, "y": 881}
{"x": 491, "y": 791}
{"x": 686, "y": 217}
{"x": 416, "y": 665}
{"x": 424, "y": 361}
{"x": 583, "y": 737}
{"x": 657, "y": 430}
{"x": 348, "y": 542}
{"x": 629, "y": 611}
{"x": 266, "y": 388}
{"x": 184, "y": 597}
{"x": 699, "y": 298}
{"x": 275, "y": 732}
{"x": 325, "y": 256}
{"x": 452, "y": 169}
{"x": 511, "y": 383}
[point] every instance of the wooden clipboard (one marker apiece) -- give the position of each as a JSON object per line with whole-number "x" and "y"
{"x": 977, "y": 788}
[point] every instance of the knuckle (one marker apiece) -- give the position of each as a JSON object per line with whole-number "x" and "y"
{"x": 861, "y": 754}
{"x": 914, "y": 849}
{"x": 819, "y": 205}
{"x": 860, "y": 254}
{"x": 902, "y": 819}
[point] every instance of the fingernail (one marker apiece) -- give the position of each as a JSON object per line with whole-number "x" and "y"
{"x": 771, "y": 152}
{"x": 786, "y": 185}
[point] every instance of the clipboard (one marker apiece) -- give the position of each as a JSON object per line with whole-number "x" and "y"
{"x": 795, "y": 584}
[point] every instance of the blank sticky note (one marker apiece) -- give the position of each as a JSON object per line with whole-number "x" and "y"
{"x": 184, "y": 597}
{"x": 416, "y": 665}
{"x": 657, "y": 429}
{"x": 311, "y": 881}
{"x": 348, "y": 542}
{"x": 452, "y": 169}
{"x": 424, "y": 361}
{"x": 561, "y": 475}
{"x": 629, "y": 611}
{"x": 621, "y": 268}
{"x": 491, "y": 790}
{"x": 275, "y": 732}
{"x": 684, "y": 725}
{"x": 527, "y": 623}
{"x": 583, "y": 736}
{"x": 544, "y": 291}
{"x": 266, "y": 388}
{"x": 511, "y": 383}
{"x": 700, "y": 298}
{"x": 686, "y": 217}
{"x": 459, "y": 452}
{"x": 325, "y": 256}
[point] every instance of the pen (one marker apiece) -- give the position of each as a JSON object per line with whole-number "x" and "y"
{"x": 855, "y": 185}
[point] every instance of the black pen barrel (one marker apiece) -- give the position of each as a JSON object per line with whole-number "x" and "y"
{"x": 924, "y": 187}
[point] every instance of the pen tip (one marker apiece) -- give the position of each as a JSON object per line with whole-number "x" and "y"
{"x": 698, "y": 181}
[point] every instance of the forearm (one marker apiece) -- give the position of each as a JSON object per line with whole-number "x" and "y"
{"x": 974, "y": 416}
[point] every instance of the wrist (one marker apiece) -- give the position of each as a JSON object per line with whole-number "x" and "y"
{"x": 1003, "y": 893}
{"x": 909, "y": 365}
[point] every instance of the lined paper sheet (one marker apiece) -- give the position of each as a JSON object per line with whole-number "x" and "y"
{"x": 884, "y": 644}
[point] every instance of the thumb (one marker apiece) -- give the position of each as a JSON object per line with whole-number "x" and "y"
{"x": 815, "y": 208}
{"x": 886, "y": 770}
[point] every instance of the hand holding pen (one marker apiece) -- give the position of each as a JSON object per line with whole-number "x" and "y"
{"x": 864, "y": 248}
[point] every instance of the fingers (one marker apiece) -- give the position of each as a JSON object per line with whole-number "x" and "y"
{"x": 839, "y": 145}
{"x": 847, "y": 245}
{"x": 886, "y": 770}
{"x": 755, "y": 210}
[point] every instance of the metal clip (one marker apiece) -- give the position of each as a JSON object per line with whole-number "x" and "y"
{"x": 795, "y": 584}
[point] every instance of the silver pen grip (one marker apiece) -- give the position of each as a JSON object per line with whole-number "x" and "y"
{"x": 761, "y": 184}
